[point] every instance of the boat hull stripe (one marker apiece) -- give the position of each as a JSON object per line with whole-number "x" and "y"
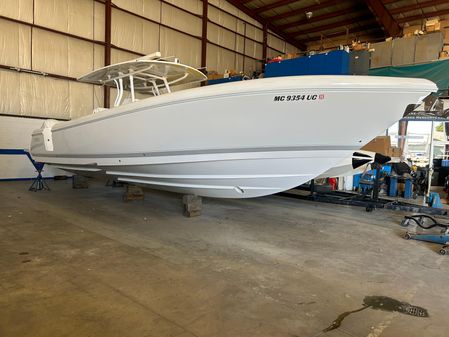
{"x": 200, "y": 152}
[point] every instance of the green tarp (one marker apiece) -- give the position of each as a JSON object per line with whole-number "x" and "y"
{"x": 437, "y": 71}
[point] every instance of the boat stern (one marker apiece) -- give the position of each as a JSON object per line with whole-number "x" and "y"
{"x": 42, "y": 139}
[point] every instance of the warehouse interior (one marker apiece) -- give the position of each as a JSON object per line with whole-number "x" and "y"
{"x": 224, "y": 167}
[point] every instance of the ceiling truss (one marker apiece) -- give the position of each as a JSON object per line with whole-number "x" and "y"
{"x": 337, "y": 17}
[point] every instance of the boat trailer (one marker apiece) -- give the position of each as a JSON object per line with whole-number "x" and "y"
{"x": 368, "y": 199}
{"x": 361, "y": 200}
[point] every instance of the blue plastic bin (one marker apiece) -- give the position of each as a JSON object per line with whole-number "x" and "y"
{"x": 333, "y": 63}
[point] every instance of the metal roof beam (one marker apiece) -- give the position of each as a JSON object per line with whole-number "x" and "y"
{"x": 318, "y": 18}
{"x": 420, "y": 5}
{"x": 342, "y": 32}
{"x": 383, "y": 16}
{"x": 302, "y": 11}
{"x": 247, "y": 11}
{"x": 332, "y": 25}
{"x": 386, "y": 2}
{"x": 274, "y": 5}
{"x": 423, "y": 16}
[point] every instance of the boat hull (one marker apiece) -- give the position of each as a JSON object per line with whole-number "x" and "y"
{"x": 235, "y": 140}
{"x": 230, "y": 175}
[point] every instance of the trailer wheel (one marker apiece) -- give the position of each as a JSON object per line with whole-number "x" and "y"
{"x": 405, "y": 222}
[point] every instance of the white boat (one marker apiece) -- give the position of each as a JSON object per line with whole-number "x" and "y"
{"x": 236, "y": 140}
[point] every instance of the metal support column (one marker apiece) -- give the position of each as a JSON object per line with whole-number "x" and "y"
{"x": 204, "y": 35}
{"x": 446, "y": 147}
{"x": 107, "y": 46}
{"x": 429, "y": 183}
{"x": 264, "y": 46}
{"x": 402, "y": 133}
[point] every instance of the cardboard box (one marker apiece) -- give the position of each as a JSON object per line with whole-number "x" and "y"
{"x": 396, "y": 152}
{"x": 233, "y": 72}
{"x": 412, "y": 30}
{"x": 443, "y": 55}
{"x": 381, "y": 144}
{"x": 433, "y": 28}
{"x": 433, "y": 25}
{"x": 444, "y": 24}
{"x": 214, "y": 76}
{"x": 358, "y": 46}
{"x": 289, "y": 56}
{"x": 432, "y": 22}
{"x": 445, "y": 32}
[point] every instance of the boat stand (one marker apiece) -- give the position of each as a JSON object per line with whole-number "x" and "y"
{"x": 80, "y": 182}
{"x": 133, "y": 192}
{"x": 193, "y": 205}
{"x": 39, "y": 182}
{"x": 421, "y": 220}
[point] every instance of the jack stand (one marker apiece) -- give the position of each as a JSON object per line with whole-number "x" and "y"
{"x": 192, "y": 205}
{"x": 371, "y": 206}
{"x": 39, "y": 183}
{"x": 419, "y": 220}
{"x": 312, "y": 187}
{"x": 376, "y": 185}
{"x": 133, "y": 192}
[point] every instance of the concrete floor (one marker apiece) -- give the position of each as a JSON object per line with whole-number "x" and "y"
{"x": 84, "y": 263}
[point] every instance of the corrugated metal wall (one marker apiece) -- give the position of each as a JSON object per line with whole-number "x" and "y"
{"x": 64, "y": 39}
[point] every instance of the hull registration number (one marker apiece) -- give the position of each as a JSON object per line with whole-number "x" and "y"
{"x": 287, "y": 98}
